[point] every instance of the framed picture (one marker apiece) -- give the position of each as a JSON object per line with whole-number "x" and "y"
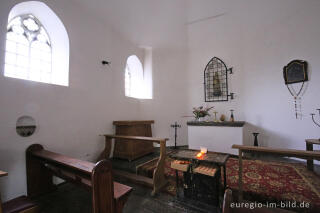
{"x": 295, "y": 72}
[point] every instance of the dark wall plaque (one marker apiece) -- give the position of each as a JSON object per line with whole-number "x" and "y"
{"x": 295, "y": 72}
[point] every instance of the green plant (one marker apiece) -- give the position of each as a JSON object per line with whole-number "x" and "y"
{"x": 200, "y": 112}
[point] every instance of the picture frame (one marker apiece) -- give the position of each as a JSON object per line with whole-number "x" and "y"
{"x": 295, "y": 72}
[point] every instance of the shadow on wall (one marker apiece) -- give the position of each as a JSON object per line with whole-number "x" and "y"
{"x": 266, "y": 138}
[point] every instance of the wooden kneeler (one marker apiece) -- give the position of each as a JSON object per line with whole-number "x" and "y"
{"x": 20, "y": 204}
{"x": 107, "y": 196}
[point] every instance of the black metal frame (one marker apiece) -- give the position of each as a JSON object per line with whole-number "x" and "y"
{"x": 216, "y": 68}
{"x": 202, "y": 187}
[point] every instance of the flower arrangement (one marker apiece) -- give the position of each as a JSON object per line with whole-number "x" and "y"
{"x": 200, "y": 112}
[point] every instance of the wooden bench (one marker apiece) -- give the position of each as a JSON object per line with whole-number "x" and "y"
{"x": 308, "y": 155}
{"x": 2, "y": 174}
{"x": 107, "y": 196}
{"x": 158, "y": 181}
{"x": 309, "y": 147}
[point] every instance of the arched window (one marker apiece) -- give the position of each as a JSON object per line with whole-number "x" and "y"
{"x": 28, "y": 50}
{"x": 133, "y": 77}
{"x": 37, "y": 45}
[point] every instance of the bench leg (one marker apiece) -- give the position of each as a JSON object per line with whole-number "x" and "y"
{"x": 240, "y": 176}
{"x": 121, "y": 203}
{"x": 224, "y": 178}
{"x": 309, "y": 147}
{"x": 159, "y": 179}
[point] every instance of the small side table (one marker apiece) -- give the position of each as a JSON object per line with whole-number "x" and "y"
{"x": 309, "y": 147}
{"x": 2, "y": 174}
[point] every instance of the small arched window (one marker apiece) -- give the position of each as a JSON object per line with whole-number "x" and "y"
{"x": 37, "y": 45}
{"x": 133, "y": 77}
{"x": 28, "y": 50}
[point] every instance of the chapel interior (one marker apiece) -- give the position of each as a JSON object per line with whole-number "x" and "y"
{"x": 144, "y": 106}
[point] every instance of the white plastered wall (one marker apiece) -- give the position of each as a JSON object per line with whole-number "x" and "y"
{"x": 69, "y": 119}
{"x": 258, "y": 38}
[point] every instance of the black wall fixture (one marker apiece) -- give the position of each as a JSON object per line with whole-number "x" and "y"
{"x": 216, "y": 81}
{"x": 104, "y": 62}
{"x": 295, "y": 72}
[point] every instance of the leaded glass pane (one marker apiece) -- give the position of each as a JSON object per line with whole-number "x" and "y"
{"x": 15, "y": 21}
{"x": 22, "y": 61}
{"x": 17, "y": 29}
{"x": 10, "y": 46}
{"x": 10, "y": 70}
{"x": 40, "y": 46}
{"x": 31, "y": 24}
{"x": 22, "y": 49}
{"x": 10, "y": 58}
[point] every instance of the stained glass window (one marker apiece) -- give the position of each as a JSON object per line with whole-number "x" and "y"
{"x": 28, "y": 50}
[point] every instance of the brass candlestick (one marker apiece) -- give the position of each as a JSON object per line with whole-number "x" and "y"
{"x": 215, "y": 116}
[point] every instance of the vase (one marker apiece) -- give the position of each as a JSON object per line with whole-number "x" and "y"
{"x": 200, "y": 119}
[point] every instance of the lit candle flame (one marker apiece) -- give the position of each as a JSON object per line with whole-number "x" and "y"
{"x": 200, "y": 154}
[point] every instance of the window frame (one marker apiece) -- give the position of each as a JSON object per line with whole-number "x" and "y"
{"x": 32, "y": 36}
{"x": 135, "y": 70}
{"x": 58, "y": 35}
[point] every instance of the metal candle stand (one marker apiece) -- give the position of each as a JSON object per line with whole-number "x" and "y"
{"x": 255, "y": 142}
{"x": 255, "y": 134}
{"x": 312, "y": 115}
{"x": 314, "y": 121}
{"x": 175, "y": 126}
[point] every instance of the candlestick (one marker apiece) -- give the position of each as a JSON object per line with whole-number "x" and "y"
{"x": 231, "y": 117}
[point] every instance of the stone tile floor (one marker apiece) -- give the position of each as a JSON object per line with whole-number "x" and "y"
{"x": 72, "y": 199}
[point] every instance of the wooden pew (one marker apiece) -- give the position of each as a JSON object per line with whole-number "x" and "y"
{"x": 279, "y": 152}
{"x": 159, "y": 179}
{"x": 2, "y": 174}
{"x": 107, "y": 196}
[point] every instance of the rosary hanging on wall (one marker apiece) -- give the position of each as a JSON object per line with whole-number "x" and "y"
{"x": 296, "y": 72}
